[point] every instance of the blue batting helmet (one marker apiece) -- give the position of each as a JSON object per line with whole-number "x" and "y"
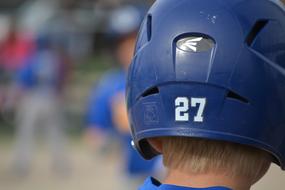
{"x": 211, "y": 69}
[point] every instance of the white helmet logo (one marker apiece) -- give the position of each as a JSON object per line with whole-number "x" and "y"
{"x": 195, "y": 44}
{"x": 192, "y": 44}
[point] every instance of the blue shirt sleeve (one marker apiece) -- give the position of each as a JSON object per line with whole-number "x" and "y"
{"x": 98, "y": 111}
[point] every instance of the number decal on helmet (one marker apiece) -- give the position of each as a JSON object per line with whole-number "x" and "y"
{"x": 202, "y": 103}
{"x": 182, "y": 108}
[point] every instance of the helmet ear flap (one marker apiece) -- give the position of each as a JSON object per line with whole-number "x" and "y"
{"x": 146, "y": 149}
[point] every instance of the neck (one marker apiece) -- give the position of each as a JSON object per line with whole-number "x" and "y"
{"x": 206, "y": 180}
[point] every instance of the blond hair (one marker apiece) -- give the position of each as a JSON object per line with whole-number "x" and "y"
{"x": 199, "y": 156}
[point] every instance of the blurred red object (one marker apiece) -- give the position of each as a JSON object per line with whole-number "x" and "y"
{"x": 15, "y": 50}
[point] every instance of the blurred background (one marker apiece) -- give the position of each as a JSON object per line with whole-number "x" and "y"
{"x": 63, "y": 122}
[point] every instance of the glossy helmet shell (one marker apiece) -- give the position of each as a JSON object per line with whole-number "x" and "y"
{"x": 228, "y": 53}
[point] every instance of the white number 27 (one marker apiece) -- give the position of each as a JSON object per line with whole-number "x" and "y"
{"x": 182, "y": 108}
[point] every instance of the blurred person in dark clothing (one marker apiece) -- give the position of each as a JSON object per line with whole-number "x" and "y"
{"x": 107, "y": 113}
{"x": 41, "y": 85}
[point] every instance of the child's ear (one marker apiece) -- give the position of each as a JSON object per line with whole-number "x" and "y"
{"x": 156, "y": 143}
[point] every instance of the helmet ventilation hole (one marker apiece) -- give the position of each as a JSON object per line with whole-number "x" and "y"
{"x": 150, "y": 92}
{"x": 233, "y": 95}
{"x": 149, "y": 27}
{"x": 258, "y": 26}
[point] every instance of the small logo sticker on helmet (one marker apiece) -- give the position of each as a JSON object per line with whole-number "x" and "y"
{"x": 150, "y": 113}
{"x": 195, "y": 44}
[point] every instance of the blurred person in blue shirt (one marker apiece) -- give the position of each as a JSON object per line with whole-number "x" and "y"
{"x": 40, "y": 85}
{"x": 107, "y": 115}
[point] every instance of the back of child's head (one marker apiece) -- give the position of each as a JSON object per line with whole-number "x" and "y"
{"x": 200, "y": 156}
